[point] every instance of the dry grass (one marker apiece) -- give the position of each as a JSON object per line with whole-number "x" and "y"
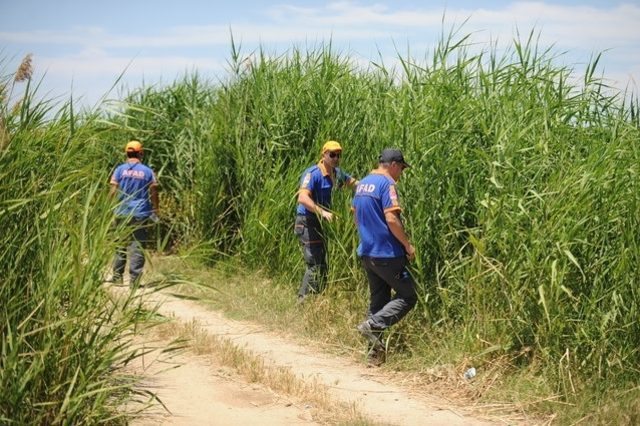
{"x": 4, "y": 134}
{"x": 485, "y": 396}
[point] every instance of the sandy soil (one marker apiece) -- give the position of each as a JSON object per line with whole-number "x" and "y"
{"x": 198, "y": 393}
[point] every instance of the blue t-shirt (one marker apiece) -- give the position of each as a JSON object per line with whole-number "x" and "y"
{"x": 317, "y": 181}
{"x": 375, "y": 195}
{"x": 133, "y": 179}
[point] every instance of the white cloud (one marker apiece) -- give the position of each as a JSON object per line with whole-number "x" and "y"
{"x": 92, "y": 73}
{"x": 354, "y": 15}
{"x": 97, "y": 63}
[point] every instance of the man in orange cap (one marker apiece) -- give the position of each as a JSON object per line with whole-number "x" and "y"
{"x": 135, "y": 185}
{"x": 314, "y": 204}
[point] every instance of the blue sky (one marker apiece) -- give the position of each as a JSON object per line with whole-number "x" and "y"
{"x": 81, "y": 47}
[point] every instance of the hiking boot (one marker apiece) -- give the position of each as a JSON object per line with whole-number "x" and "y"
{"x": 368, "y": 333}
{"x": 376, "y": 357}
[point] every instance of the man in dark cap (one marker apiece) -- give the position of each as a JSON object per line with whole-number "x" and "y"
{"x": 384, "y": 251}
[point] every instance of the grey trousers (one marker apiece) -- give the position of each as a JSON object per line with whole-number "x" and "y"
{"x": 385, "y": 275}
{"x": 313, "y": 245}
{"x": 134, "y": 245}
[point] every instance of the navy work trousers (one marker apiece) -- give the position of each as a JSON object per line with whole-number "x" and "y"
{"x": 313, "y": 245}
{"x": 134, "y": 245}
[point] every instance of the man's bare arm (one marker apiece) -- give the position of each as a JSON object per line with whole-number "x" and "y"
{"x": 395, "y": 225}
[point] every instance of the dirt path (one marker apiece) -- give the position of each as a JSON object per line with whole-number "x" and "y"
{"x": 197, "y": 392}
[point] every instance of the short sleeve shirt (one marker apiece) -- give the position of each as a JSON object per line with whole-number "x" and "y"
{"x": 317, "y": 181}
{"x": 375, "y": 195}
{"x": 134, "y": 180}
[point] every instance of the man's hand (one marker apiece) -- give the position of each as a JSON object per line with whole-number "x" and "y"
{"x": 411, "y": 252}
{"x": 328, "y": 216}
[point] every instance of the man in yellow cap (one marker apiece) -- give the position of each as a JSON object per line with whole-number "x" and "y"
{"x": 135, "y": 185}
{"x": 314, "y": 204}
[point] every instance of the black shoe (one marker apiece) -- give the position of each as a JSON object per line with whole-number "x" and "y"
{"x": 368, "y": 333}
{"x": 301, "y": 299}
{"x": 376, "y": 357}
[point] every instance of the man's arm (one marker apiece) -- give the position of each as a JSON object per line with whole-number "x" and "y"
{"x": 155, "y": 203}
{"x": 113, "y": 190}
{"x": 113, "y": 182}
{"x": 395, "y": 225}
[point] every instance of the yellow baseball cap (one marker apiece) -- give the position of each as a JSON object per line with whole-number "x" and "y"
{"x": 331, "y": 146}
{"x": 133, "y": 146}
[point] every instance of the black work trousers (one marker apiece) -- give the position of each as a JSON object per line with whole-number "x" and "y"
{"x": 384, "y": 275}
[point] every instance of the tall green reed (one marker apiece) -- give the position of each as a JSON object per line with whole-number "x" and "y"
{"x": 521, "y": 201}
{"x": 65, "y": 341}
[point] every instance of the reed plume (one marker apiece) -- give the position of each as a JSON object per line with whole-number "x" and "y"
{"x": 25, "y": 70}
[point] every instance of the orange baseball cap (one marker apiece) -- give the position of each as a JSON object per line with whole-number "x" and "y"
{"x": 331, "y": 146}
{"x": 133, "y": 146}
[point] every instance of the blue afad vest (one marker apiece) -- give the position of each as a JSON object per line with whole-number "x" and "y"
{"x": 133, "y": 180}
{"x": 375, "y": 195}
{"x": 319, "y": 183}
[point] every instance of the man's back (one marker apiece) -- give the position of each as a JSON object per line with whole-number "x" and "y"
{"x": 134, "y": 179}
{"x": 376, "y": 195}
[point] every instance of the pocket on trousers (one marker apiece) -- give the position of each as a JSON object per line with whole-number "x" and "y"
{"x": 402, "y": 275}
{"x": 379, "y": 263}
